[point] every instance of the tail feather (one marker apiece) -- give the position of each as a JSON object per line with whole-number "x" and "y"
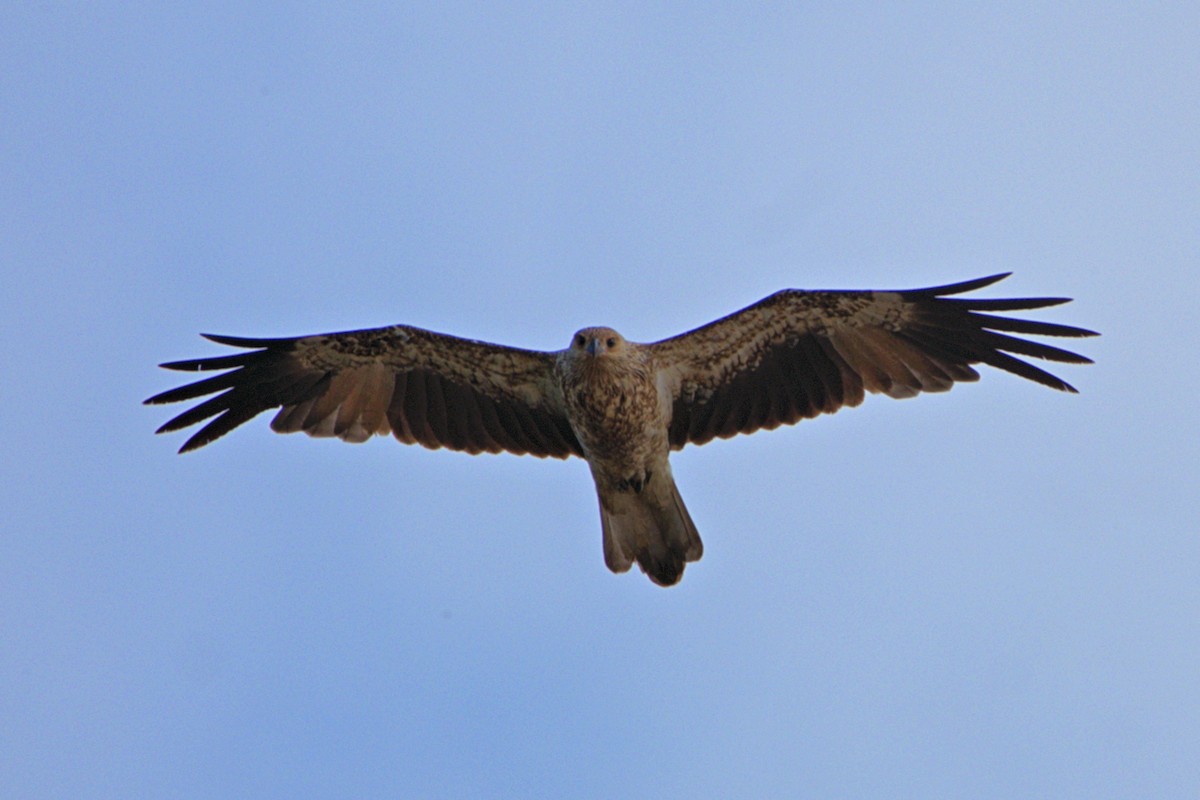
{"x": 651, "y": 527}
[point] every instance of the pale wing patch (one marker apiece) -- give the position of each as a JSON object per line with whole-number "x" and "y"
{"x": 891, "y": 366}
{"x": 353, "y": 408}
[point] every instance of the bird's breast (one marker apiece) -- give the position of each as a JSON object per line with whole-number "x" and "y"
{"x": 614, "y": 413}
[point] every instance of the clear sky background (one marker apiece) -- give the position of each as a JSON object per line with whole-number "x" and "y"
{"x": 990, "y": 593}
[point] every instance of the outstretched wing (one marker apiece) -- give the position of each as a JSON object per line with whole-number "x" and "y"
{"x": 797, "y": 354}
{"x": 422, "y": 387}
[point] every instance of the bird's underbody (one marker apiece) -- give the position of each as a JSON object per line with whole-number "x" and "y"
{"x": 612, "y": 398}
{"x": 621, "y": 405}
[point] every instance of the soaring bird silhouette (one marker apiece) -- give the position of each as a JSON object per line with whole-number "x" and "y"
{"x": 621, "y": 405}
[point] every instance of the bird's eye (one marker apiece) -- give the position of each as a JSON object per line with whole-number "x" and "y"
{"x": 579, "y": 340}
{"x": 611, "y": 343}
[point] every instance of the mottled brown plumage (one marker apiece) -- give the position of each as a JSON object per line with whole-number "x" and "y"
{"x": 620, "y": 405}
{"x": 612, "y": 397}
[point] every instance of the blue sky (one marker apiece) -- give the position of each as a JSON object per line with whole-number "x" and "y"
{"x": 987, "y": 593}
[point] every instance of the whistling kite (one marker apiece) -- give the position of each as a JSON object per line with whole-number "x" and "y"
{"x": 620, "y": 405}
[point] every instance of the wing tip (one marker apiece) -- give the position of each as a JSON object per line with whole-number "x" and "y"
{"x": 188, "y": 365}
{"x": 244, "y": 342}
{"x": 1060, "y": 385}
{"x": 189, "y": 446}
{"x": 961, "y": 286}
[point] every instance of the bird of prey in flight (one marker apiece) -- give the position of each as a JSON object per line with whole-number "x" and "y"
{"x": 620, "y": 405}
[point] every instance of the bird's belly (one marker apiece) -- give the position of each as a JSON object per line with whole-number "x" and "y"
{"x": 623, "y": 440}
{"x": 611, "y": 424}
{"x": 617, "y": 418}
{"x": 624, "y": 451}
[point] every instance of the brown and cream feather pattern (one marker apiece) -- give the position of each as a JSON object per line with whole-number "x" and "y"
{"x": 621, "y": 405}
{"x": 422, "y": 387}
{"x": 797, "y": 354}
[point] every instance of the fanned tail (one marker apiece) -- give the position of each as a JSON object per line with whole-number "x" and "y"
{"x": 651, "y": 527}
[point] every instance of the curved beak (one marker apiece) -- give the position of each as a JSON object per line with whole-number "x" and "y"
{"x": 594, "y": 346}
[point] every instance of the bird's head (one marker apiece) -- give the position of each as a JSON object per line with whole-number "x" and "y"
{"x": 598, "y": 342}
